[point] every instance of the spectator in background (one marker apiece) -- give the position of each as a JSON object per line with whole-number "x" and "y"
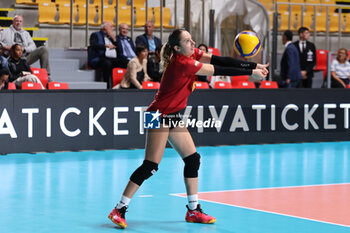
{"x": 4, "y": 77}
{"x": 148, "y": 39}
{"x": 153, "y": 68}
{"x": 102, "y": 52}
{"x": 125, "y": 44}
{"x": 203, "y": 78}
{"x": 340, "y": 69}
{"x": 3, "y": 60}
{"x": 307, "y": 54}
{"x": 15, "y": 34}
{"x": 290, "y": 62}
{"x": 203, "y": 47}
{"x": 19, "y": 69}
{"x": 136, "y": 72}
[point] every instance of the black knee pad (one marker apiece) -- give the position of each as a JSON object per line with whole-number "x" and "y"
{"x": 192, "y": 164}
{"x": 145, "y": 171}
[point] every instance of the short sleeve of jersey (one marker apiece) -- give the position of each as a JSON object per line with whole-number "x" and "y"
{"x": 192, "y": 66}
{"x": 197, "y": 54}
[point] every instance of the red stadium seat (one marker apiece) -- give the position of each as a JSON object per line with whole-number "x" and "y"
{"x": 222, "y": 85}
{"x": 214, "y": 51}
{"x": 236, "y": 79}
{"x": 31, "y": 86}
{"x": 41, "y": 73}
{"x": 118, "y": 74}
{"x": 150, "y": 85}
{"x": 202, "y": 85}
{"x": 321, "y": 61}
{"x": 268, "y": 84}
{"x": 245, "y": 84}
{"x": 11, "y": 86}
{"x": 58, "y": 85}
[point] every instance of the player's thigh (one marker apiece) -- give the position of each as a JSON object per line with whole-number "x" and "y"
{"x": 156, "y": 140}
{"x": 181, "y": 140}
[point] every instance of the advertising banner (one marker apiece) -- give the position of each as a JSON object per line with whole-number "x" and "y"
{"x": 45, "y": 121}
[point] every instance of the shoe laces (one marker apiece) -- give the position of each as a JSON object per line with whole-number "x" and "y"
{"x": 196, "y": 209}
{"x": 122, "y": 211}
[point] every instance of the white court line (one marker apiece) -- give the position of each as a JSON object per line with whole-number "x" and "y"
{"x": 280, "y": 187}
{"x": 264, "y": 211}
{"x": 145, "y": 196}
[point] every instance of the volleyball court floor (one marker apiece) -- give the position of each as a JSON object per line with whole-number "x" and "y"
{"x": 251, "y": 188}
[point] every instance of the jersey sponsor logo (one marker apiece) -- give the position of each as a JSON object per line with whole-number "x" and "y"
{"x": 151, "y": 120}
{"x": 196, "y": 63}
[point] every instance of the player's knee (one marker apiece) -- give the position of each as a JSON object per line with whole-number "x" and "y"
{"x": 192, "y": 164}
{"x": 145, "y": 171}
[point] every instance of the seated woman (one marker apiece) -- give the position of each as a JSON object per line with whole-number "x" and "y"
{"x": 136, "y": 71}
{"x": 340, "y": 69}
{"x": 19, "y": 69}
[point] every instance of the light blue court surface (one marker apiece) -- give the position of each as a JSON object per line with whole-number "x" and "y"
{"x": 75, "y": 191}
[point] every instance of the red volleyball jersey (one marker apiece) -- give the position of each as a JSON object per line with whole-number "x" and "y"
{"x": 177, "y": 83}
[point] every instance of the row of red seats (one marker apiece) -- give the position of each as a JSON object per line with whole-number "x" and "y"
{"x": 238, "y": 85}
{"x": 236, "y": 82}
{"x": 37, "y": 86}
{"x": 41, "y": 73}
{"x": 220, "y": 85}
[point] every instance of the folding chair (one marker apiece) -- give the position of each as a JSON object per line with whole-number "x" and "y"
{"x": 41, "y": 73}
{"x": 150, "y": 85}
{"x": 117, "y": 75}
{"x": 321, "y": 61}
{"x": 202, "y": 85}
{"x": 222, "y": 85}
{"x": 11, "y": 86}
{"x": 236, "y": 79}
{"x": 214, "y": 51}
{"x": 245, "y": 85}
{"x": 57, "y": 85}
{"x": 31, "y": 86}
{"x": 268, "y": 84}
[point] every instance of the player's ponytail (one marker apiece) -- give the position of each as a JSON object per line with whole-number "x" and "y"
{"x": 168, "y": 48}
{"x": 165, "y": 55}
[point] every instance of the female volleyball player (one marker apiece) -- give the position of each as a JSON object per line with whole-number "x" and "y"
{"x": 181, "y": 62}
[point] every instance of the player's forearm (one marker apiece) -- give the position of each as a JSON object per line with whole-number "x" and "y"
{"x": 231, "y": 62}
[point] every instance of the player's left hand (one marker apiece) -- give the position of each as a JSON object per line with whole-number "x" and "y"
{"x": 262, "y": 66}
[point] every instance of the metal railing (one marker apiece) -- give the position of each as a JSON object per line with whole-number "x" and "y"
{"x": 101, "y": 14}
{"x": 302, "y": 12}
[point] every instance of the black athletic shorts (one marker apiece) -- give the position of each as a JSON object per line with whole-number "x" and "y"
{"x": 171, "y": 120}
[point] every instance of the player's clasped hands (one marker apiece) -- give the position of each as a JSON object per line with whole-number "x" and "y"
{"x": 260, "y": 72}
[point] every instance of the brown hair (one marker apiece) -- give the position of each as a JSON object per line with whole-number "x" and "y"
{"x": 346, "y": 53}
{"x": 140, "y": 48}
{"x": 168, "y": 48}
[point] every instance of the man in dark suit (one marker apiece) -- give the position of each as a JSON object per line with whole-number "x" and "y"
{"x": 148, "y": 39}
{"x": 102, "y": 52}
{"x": 290, "y": 62}
{"x": 125, "y": 44}
{"x": 307, "y": 52}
